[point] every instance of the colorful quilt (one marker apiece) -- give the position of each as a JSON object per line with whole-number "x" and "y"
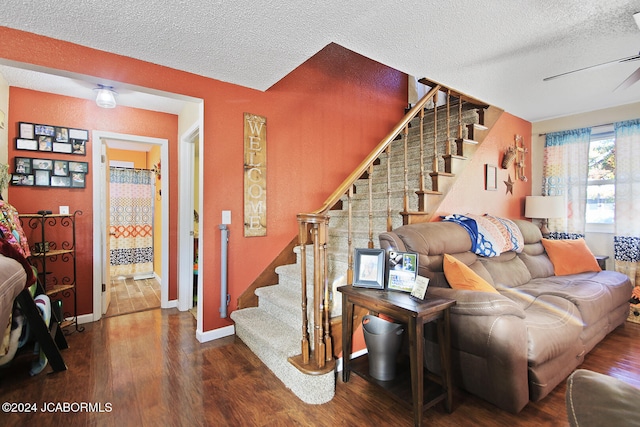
{"x": 490, "y": 235}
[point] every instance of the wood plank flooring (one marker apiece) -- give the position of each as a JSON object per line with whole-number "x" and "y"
{"x": 129, "y": 295}
{"x": 147, "y": 369}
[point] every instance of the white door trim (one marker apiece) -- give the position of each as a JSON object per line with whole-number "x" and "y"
{"x": 185, "y": 218}
{"x": 100, "y": 219}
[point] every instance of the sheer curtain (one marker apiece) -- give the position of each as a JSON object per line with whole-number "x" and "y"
{"x": 627, "y": 223}
{"x": 131, "y": 221}
{"x": 565, "y": 172}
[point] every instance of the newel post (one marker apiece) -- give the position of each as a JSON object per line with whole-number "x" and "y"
{"x": 314, "y": 228}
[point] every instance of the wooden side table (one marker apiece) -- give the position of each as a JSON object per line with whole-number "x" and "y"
{"x": 414, "y": 313}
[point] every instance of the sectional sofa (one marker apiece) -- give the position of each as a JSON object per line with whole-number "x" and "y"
{"x": 518, "y": 341}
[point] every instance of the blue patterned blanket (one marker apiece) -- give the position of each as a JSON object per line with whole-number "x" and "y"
{"x": 490, "y": 235}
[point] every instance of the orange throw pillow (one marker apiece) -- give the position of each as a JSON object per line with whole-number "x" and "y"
{"x": 461, "y": 277}
{"x": 570, "y": 256}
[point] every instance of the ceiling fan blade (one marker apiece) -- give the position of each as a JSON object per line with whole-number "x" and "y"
{"x": 627, "y": 59}
{"x": 633, "y": 78}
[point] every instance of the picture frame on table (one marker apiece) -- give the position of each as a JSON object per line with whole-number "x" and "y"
{"x": 22, "y": 165}
{"x": 369, "y": 268}
{"x": 26, "y": 130}
{"x": 26, "y": 144}
{"x": 42, "y": 177}
{"x": 402, "y": 271}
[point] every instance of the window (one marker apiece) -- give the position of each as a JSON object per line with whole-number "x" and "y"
{"x": 601, "y": 180}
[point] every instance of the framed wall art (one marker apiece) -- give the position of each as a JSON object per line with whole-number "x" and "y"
{"x": 56, "y": 139}
{"x": 490, "y": 177}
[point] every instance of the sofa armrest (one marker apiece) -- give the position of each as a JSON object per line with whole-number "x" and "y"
{"x": 489, "y": 347}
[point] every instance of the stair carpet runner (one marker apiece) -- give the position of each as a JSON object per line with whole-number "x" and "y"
{"x": 273, "y": 330}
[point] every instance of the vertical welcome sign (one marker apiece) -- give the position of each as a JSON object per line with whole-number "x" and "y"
{"x": 255, "y": 175}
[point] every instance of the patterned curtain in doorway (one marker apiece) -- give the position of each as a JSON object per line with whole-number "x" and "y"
{"x": 131, "y": 221}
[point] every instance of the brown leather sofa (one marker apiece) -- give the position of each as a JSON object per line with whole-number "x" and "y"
{"x": 516, "y": 345}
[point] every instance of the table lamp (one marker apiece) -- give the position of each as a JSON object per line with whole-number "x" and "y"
{"x": 543, "y": 208}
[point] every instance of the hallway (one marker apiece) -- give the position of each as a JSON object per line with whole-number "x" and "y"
{"x": 129, "y": 295}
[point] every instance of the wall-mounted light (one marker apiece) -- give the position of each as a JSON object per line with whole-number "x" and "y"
{"x": 105, "y": 96}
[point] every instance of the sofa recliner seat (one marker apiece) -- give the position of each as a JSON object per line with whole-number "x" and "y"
{"x": 519, "y": 344}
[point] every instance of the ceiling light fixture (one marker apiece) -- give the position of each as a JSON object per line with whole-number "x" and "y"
{"x": 105, "y": 97}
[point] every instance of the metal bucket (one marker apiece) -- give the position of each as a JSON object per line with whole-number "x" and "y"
{"x": 383, "y": 339}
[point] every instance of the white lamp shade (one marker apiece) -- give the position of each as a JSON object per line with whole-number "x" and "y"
{"x": 105, "y": 98}
{"x": 543, "y": 207}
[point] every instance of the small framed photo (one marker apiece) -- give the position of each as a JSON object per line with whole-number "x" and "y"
{"x": 26, "y": 130}
{"x": 62, "y": 134}
{"x": 45, "y": 130}
{"x": 60, "y": 168}
{"x": 77, "y": 180}
{"x": 42, "y": 164}
{"x": 62, "y": 147}
{"x": 20, "y": 179}
{"x": 78, "y": 146}
{"x": 45, "y": 143}
{"x": 368, "y": 268}
{"x": 26, "y": 144}
{"x": 491, "y": 177}
{"x": 23, "y": 165}
{"x": 403, "y": 271}
{"x": 61, "y": 181}
{"x": 81, "y": 134}
{"x": 79, "y": 167}
{"x": 42, "y": 177}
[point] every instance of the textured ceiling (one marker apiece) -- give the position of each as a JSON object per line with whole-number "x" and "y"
{"x": 498, "y": 51}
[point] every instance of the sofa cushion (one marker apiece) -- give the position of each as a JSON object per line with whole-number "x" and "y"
{"x": 586, "y": 291}
{"x": 506, "y": 270}
{"x": 535, "y": 258}
{"x": 553, "y": 327}
{"x": 461, "y": 277}
{"x": 570, "y": 256}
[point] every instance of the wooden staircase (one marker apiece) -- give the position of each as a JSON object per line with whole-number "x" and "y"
{"x": 403, "y": 181}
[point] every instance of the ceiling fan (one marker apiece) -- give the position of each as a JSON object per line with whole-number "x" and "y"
{"x": 633, "y": 78}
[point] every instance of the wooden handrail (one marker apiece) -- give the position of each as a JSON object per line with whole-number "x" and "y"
{"x": 315, "y": 224}
{"x": 380, "y": 148}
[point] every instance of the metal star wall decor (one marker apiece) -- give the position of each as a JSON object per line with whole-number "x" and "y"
{"x": 509, "y": 185}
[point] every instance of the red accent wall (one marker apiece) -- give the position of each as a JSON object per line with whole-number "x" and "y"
{"x": 46, "y": 108}
{"x": 322, "y": 119}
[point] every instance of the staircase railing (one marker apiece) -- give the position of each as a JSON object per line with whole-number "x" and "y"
{"x": 313, "y": 229}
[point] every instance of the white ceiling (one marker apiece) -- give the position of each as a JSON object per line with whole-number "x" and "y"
{"x": 498, "y": 51}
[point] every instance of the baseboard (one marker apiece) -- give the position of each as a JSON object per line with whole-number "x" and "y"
{"x": 353, "y": 356}
{"x": 215, "y": 334}
{"x": 85, "y": 318}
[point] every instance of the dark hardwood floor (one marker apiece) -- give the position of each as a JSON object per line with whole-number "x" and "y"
{"x": 147, "y": 369}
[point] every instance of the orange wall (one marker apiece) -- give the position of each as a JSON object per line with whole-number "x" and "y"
{"x": 322, "y": 119}
{"x": 45, "y": 108}
{"x": 469, "y": 194}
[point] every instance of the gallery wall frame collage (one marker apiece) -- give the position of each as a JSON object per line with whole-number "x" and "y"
{"x": 41, "y": 172}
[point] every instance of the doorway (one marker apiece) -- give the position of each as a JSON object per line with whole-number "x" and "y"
{"x": 102, "y": 280}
